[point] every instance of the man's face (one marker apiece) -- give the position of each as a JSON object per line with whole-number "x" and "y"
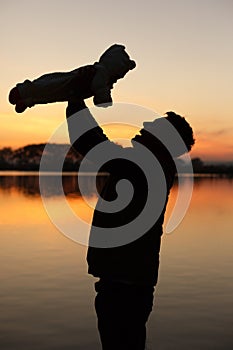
{"x": 147, "y": 126}
{"x": 141, "y": 135}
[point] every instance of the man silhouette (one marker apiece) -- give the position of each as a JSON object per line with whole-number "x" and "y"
{"x": 127, "y": 263}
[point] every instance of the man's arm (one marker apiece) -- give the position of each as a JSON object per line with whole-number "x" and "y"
{"x": 85, "y": 133}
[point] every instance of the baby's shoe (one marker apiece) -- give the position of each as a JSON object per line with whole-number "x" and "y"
{"x": 15, "y": 99}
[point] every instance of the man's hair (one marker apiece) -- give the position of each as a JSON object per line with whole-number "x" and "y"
{"x": 183, "y": 128}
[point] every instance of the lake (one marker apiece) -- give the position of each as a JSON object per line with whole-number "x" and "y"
{"x": 46, "y": 295}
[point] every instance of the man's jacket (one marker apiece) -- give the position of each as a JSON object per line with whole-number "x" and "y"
{"x": 117, "y": 251}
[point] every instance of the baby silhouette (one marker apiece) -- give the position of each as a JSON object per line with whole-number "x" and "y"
{"x": 91, "y": 80}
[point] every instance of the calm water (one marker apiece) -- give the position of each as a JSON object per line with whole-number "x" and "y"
{"x": 46, "y": 296}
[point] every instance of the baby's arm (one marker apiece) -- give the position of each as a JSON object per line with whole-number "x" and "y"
{"x": 101, "y": 87}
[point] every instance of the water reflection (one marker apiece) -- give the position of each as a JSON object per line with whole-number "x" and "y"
{"x": 30, "y": 185}
{"x": 46, "y": 296}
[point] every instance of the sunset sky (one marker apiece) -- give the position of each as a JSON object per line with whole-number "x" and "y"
{"x": 183, "y": 50}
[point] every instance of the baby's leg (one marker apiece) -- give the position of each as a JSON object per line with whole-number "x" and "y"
{"x": 53, "y": 87}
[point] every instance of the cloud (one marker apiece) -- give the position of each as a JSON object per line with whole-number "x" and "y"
{"x": 214, "y": 133}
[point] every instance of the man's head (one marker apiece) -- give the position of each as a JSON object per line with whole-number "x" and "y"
{"x": 177, "y": 135}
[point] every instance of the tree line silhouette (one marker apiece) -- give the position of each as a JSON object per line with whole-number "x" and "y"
{"x": 28, "y": 158}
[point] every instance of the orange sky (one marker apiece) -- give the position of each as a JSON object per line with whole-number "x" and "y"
{"x": 183, "y": 51}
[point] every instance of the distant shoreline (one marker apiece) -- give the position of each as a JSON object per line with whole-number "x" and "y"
{"x": 28, "y": 159}
{"x": 90, "y": 173}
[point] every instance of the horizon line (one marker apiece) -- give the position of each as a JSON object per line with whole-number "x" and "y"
{"x": 196, "y": 156}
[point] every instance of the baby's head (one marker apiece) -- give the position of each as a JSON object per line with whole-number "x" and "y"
{"x": 117, "y": 61}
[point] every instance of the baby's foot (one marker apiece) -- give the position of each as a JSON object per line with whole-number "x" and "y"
{"x": 15, "y": 99}
{"x": 14, "y": 96}
{"x": 20, "y": 107}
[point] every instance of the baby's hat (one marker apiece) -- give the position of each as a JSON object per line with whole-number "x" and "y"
{"x": 116, "y": 60}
